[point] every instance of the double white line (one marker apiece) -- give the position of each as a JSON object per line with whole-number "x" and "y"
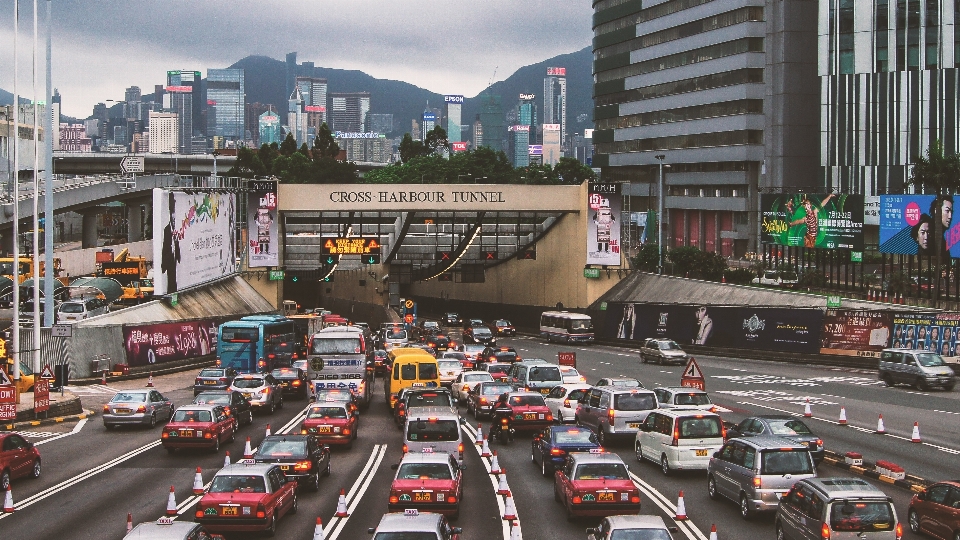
{"x": 357, "y": 490}
{"x": 686, "y": 526}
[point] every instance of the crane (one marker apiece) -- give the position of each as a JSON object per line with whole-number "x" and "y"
{"x": 493, "y": 77}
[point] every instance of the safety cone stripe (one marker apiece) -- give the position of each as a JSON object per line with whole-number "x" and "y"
{"x": 880, "y": 428}
{"x": 198, "y": 483}
{"x": 510, "y": 509}
{"x": 172, "y": 503}
{"x": 342, "y": 505}
{"x": 681, "y": 508}
{"x": 713, "y": 532}
{"x": 916, "y": 433}
{"x": 318, "y": 530}
{"x": 8, "y": 501}
{"x": 129, "y": 522}
{"x": 843, "y": 416}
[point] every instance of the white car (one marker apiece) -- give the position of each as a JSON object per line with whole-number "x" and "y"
{"x": 468, "y": 380}
{"x": 473, "y": 350}
{"x": 631, "y": 526}
{"x": 563, "y": 399}
{"x": 571, "y": 375}
{"x": 449, "y": 369}
{"x": 683, "y": 438}
{"x": 776, "y": 278}
{"x": 671, "y": 397}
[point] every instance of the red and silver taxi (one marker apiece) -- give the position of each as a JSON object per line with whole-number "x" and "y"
{"x": 427, "y": 481}
{"x": 331, "y": 423}
{"x": 595, "y": 484}
{"x": 198, "y": 426}
{"x": 247, "y": 496}
{"x": 530, "y": 412}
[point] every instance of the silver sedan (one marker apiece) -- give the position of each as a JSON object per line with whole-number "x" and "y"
{"x": 137, "y": 407}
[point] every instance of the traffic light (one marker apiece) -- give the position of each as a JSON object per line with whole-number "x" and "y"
{"x": 528, "y": 254}
{"x": 371, "y": 258}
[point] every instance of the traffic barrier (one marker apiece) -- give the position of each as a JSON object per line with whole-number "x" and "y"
{"x": 495, "y": 464}
{"x": 807, "y": 413}
{"x": 247, "y": 451}
{"x": 916, "y": 433}
{"x": 681, "y": 508}
{"x": 515, "y": 533}
{"x": 713, "y": 532}
{"x": 880, "y": 428}
{"x": 150, "y": 380}
{"x": 342, "y": 505}
{"x": 479, "y": 440}
{"x": 171, "y": 503}
{"x": 8, "y": 501}
{"x": 318, "y": 529}
{"x": 129, "y": 522}
{"x": 268, "y": 430}
{"x": 226, "y": 459}
{"x": 198, "y": 483}
{"x": 509, "y": 509}
{"x": 485, "y": 449}
{"x": 853, "y": 458}
{"x": 843, "y": 416}
{"x": 888, "y": 468}
{"x": 503, "y": 488}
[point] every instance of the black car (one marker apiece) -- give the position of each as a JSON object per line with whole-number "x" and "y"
{"x": 469, "y": 323}
{"x": 780, "y": 425}
{"x": 452, "y": 319}
{"x": 480, "y": 334}
{"x": 233, "y": 402}
{"x": 292, "y": 381}
{"x": 439, "y": 343}
{"x": 481, "y": 398}
{"x": 500, "y": 354}
{"x": 300, "y": 457}
{"x": 213, "y": 378}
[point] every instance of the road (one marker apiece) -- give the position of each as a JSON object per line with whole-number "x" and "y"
{"x": 92, "y": 478}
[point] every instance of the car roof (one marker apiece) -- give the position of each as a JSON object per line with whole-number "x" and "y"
{"x": 534, "y": 362}
{"x": 523, "y": 393}
{"x": 769, "y": 441}
{"x": 248, "y": 469}
{"x": 250, "y": 375}
{"x": 291, "y": 437}
{"x": 775, "y": 417}
{"x": 338, "y": 404}
{"x": 155, "y": 531}
{"x": 398, "y": 522}
{"x": 196, "y": 407}
{"x": 682, "y": 389}
{"x": 422, "y": 413}
{"x": 575, "y": 386}
{"x": 687, "y": 411}
{"x": 845, "y": 488}
{"x": 633, "y": 521}
{"x": 624, "y": 389}
{"x": 425, "y": 457}
{"x": 588, "y": 457}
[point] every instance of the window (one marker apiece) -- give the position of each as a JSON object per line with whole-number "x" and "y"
{"x": 433, "y": 430}
{"x": 938, "y": 493}
{"x": 862, "y": 516}
{"x": 881, "y": 46}
{"x": 594, "y": 398}
{"x": 699, "y": 140}
{"x": 695, "y": 56}
{"x": 408, "y": 372}
{"x": 749, "y": 457}
{"x": 683, "y": 114}
{"x": 424, "y": 471}
{"x": 781, "y": 462}
{"x": 602, "y": 471}
{"x": 635, "y": 402}
{"x": 695, "y": 84}
{"x": 698, "y": 428}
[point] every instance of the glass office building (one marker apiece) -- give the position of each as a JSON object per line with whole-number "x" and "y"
{"x": 225, "y": 92}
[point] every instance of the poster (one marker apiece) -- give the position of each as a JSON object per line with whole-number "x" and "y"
{"x": 603, "y": 224}
{"x": 167, "y": 342}
{"x": 813, "y": 220}
{"x": 194, "y": 240}
{"x": 855, "y": 333}
{"x": 262, "y": 229}
{"x": 934, "y": 332}
{"x": 907, "y": 226}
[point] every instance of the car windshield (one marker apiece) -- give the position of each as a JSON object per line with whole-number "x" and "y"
{"x": 433, "y": 430}
{"x": 127, "y": 397}
{"x": 498, "y": 369}
{"x": 212, "y": 399}
{"x": 428, "y": 371}
{"x": 334, "y": 395}
{"x": 186, "y": 415}
{"x": 568, "y": 436}
{"x": 575, "y": 395}
{"x": 285, "y": 373}
{"x": 626, "y": 383}
{"x": 301, "y": 364}
{"x": 692, "y": 398}
{"x": 71, "y": 307}
{"x": 862, "y": 516}
{"x": 698, "y": 428}
{"x": 344, "y": 345}
{"x": 456, "y": 355}
{"x": 495, "y": 389}
{"x": 424, "y": 471}
{"x": 396, "y": 334}
{"x": 579, "y": 326}
{"x": 788, "y": 276}
{"x": 508, "y": 357}
{"x": 449, "y": 364}
{"x": 429, "y": 399}
{"x": 786, "y": 462}
{"x": 930, "y": 360}
{"x": 601, "y": 471}
{"x": 279, "y": 448}
{"x": 237, "y": 484}
{"x": 640, "y": 534}
{"x": 568, "y": 371}
{"x": 545, "y": 373}
{"x": 406, "y": 536}
{"x": 503, "y": 323}
{"x": 484, "y": 331}
{"x": 255, "y": 382}
{"x": 474, "y": 377}
{"x": 211, "y": 373}
{"x": 527, "y": 401}
{"x": 326, "y": 412}
{"x": 669, "y": 346}
{"x": 788, "y": 427}
{"x": 635, "y": 402}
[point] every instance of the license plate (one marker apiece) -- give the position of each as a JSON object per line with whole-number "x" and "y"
{"x": 186, "y": 433}
{"x": 529, "y": 416}
{"x": 701, "y": 453}
{"x": 247, "y": 395}
{"x": 122, "y": 411}
{"x": 229, "y": 511}
{"x": 284, "y": 467}
{"x": 812, "y": 444}
{"x": 544, "y": 391}
{"x": 324, "y": 429}
{"x": 605, "y": 497}
{"x": 634, "y": 425}
{"x": 285, "y": 385}
{"x": 209, "y": 382}
{"x": 422, "y": 497}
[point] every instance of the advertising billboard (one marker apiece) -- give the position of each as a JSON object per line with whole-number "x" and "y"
{"x": 453, "y": 99}
{"x": 855, "y": 333}
{"x": 314, "y": 108}
{"x": 557, "y": 71}
{"x": 518, "y": 127}
{"x": 458, "y": 146}
{"x": 907, "y": 226}
{"x": 535, "y": 149}
{"x": 168, "y": 342}
{"x": 262, "y": 227}
{"x": 528, "y": 97}
{"x": 194, "y": 238}
{"x": 551, "y": 127}
{"x": 603, "y": 225}
{"x": 934, "y": 332}
{"x": 813, "y": 220}
{"x": 179, "y": 89}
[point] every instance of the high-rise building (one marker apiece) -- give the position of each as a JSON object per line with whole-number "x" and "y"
{"x": 552, "y": 149}
{"x": 429, "y": 122}
{"x": 366, "y": 147}
{"x": 296, "y": 120}
{"x": 164, "y": 133}
{"x": 527, "y": 115}
{"x": 132, "y": 94}
{"x": 520, "y": 145}
{"x": 477, "y": 132}
{"x": 381, "y": 123}
{"x": 453, "y": 116}
{"x": 226, "y": 91}
{"x": 73, "y": 138}
{"x": 269, "y": 130}
{"x": 348, "y": 111}
{"x": 251, "y": 118}
{"x": 180, "y": 102}
{"x": 291, "y": 72}
{"x": 726, "y": 93}
{"x": 555, "y": 99}
{"x": 415, "y": 130}
{"x": 492, "y": 119}
{"x": 314, "y": 92}
{"x": 188, "y": 81}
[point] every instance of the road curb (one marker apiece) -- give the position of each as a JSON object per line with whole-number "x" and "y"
{"x": 87, "y": 413}
{"x": 911, "y": 482}
{"x": 199, "y": 363}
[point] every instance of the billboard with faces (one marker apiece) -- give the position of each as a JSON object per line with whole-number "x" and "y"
{"x": 907, "y": 225}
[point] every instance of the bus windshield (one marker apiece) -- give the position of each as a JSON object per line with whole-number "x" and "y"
{"x": 345, "y": 345}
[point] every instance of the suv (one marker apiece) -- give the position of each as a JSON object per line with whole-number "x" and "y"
{"x": 261, "y": 390}
{"x": 837, "y": 508}
{"x": 679, "y": 438}
{"x": 426, "y": 525}
{"x": 755, "y": 471}
{"x": 918, "y": 368}
{"x": 535, "y": 376}
{"x": 683, "y": 396}
{"x": 662, "y": 351}
{"x": 615, "y": 412}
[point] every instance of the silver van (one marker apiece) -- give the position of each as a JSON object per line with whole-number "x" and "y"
{"x": 78, "y": 310}
{"x": 536, "y": 376}
{"x": 918, "y": 368}
{"x": 433, "y": 430}
{"x": 615, "y": 412}
{"x": 757, "y": 471}
{"x": 850, "y": 508}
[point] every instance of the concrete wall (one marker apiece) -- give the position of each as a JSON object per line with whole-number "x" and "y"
{"x": 271, "y": 290}
{"x": 79, "y": 262}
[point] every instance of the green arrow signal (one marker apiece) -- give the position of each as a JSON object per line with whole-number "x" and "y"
{"x": 330, "y": 259}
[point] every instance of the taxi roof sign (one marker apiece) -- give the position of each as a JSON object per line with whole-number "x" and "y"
{"x": 165, "y": 521}
{"x": 247, "y": 461}
{"x": 596, "y": 450}
{"x": 413, "y": 512}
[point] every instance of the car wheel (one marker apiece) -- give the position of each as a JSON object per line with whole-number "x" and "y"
{"x": 153, "y": 420}
{"x": 638, "y": 450}
{"x": 602, "y": 436}
{"x": 745, "y": 511}
{"x": 36, "y": 470}
{"x": 921, "y": 384}
{"x": 665, "y": 465}
{"x": 296, "y": 504}
{"x": 570, "y": 517}
{"x": 272, "y": 529}
{"x": 328, "y": 469}
{"x": 4, "y": 480}
{"x": 712, "y": 488}
{"x": 780, "y": 535}
{"x": 914, "y": 521}
{"x": 315, "y": 482}
{"x": 887, "y": 380}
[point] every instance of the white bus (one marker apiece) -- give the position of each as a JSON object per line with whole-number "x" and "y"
{"x": 566, "y": 327}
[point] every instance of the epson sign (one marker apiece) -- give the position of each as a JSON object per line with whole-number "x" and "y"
{"x": 453, "y": 99}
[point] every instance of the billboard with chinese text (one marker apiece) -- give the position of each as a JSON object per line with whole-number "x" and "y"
{"x": 907, "y": 225}
{"x": 168, "y": 342}
{"x": 813, "y": 220}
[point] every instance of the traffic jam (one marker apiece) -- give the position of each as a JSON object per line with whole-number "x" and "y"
{"x": 449, "y": 408}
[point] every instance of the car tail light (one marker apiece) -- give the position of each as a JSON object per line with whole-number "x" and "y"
{"x": 218, "y": 362}
{"x": 723, "y": 431}
{"x": 346, "y": 431}
{"x": 305, "y": 465}
{"x": 549, "y": 417}
{"x": 142, "y": 409}
{"x": 223, "y": 380}
{"x": 261, "y": 363}
{"x": 635, "y": 499}
{"x": 825, "y": 532}
{"x": 199, "y": 513}
{"x": 261, "y": 511}
{"x": 227, "y": 410}
{"x": 611, "y": 415}
{"x": 296, "y": 382}
{"x": 505, "y": 421}
{"x": 303, "y": 431}
{"x": 106, "y": 408}
{"x": 576, "y": 499}
{"x": 198, "y": 381}
{"x": 460, "y": 448}
{"x": 406, "y": 448}
{"x": 899, "y": 531}
{"x": 483, "y": 401}
{"x": 466, "y": 388}
{"x": 394, "y": 499}
{"x": 676, "y": 433}
{"x": 819, "y": 442}
{"x": 557, "y": 452}
{"x": 452, "y": 499}
{"x": 271, "y": 356}
{"x": 757, "y": 482}
{"x": 164, "y": 435}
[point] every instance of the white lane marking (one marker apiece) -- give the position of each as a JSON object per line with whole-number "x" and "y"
{"x": 76, "y": 429}
{"x": 335, "y": 526}
{"x": 691, "y": 531}
{"x": 37, "y": 497}
{"x": 494, "y": 481}
{"x": 92, "y": 389}
{"x": 858, "y": 428}
{"x": 946, "y": 412}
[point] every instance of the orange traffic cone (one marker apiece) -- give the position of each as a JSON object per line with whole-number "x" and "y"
{"x": 150, "y": 380}
{"x": 479, "y": 440}
{"x": 509, "y": 509}
{"x": 681, "y": 508}
{"x": 807, "y": 413}
{"x": 880, "y": 428}
{"x": 485, "y": 449}
{"x": 342, "y": 505}
{"x": 495, "y": 464}
{"x": 713, "y": 532}
{"x": 247, "y": 451}
{"x": 8, "y": 501}
{"x": 268, "y": 430}
{"x": 843, "y": 416}
{"x": 916, "y": 433}
{"x": 515, "y": 533}
{"x": 226, "y": 459}
{"x": 197, "y": 483}
{"x": 171, "y": 503}
{"x": 318, "y": 529}
{"x": 103, "y": 377}
{"x": 503, "y": 488}
{"x": 129, "y": 522}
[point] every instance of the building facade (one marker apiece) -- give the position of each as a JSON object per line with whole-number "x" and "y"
{"x": 314, "y": 92}
{"x": 73, "y": 138}
{"x": 226, "y": 93}
{"x": 555, "y": 99}
{"x": 181, "y": 103}
{"x": 269, "y": 130}
{"x": 429, "y": 121}
{"x": 492, "y": 119}
{"x": 164, "y": 133}
{"x": 453, "y": 116}
{"x": 365, "y": 147}
{"x": 725, "y": 93}
{"x": 520, "y": 145}
{"x": 348, "y": 111}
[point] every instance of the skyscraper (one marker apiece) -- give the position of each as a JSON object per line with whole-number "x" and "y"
{"x": 429, "y": 122}
{"x": 492, "y": 119}
{"x": 269, "y": 130}
{"x": 555, "y": 100}
{"x": 454, "y": 105}
{"x": 296, "y": 120}
{"x": 314, "y": 92}
{"x": 291, "y": 72}
{"x": 527, "y": 115}
{"x": 179, "y": 100}
{"x": 381, "y": 123}
{"x": 348, "y": 111}
{"x": 188, "y": 81}
{"x": 225, "y": 88}
{"x": 520, "y": 145}
{"x": 164, "y": 133}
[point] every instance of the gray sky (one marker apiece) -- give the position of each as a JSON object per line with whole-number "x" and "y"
{"x": 448, "y": 46}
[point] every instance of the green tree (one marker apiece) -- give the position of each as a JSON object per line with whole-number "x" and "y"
{"x": 436, "y": 140}
{"x": 289, "y": 146}
{"x": 570, "y": 171}
{"x": 248, "y": 164}
{"x": 304, "y": 150}
{"x": 410, "y": 148}
{"x": 711, "y": 266}
{"x": 267, "y": 154}
{"x": 324, "y": 145}
{"x": 685, "y": 260}
{"x": 739, "y": 276}
{"x": 647, "y": 258}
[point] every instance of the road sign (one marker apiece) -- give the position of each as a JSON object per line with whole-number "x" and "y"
{"x": 4, "y": 378}
{"x": 62, "y": 330}
{"x": 41, "y": 395}
{"x": 693, "y": 376}
{"x": 131, "y": 164}
{"x": 834, "y": 301}
{"x": 409, "y": 304}
{"x": 277, "y": 275}
{"x": 46, "y": 373}
{"x": 8, "y": 401}
{"x": 567, "y": 359}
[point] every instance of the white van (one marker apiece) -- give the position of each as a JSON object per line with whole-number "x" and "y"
{"x": 681, "y": 438}
{"x": 77, "y": 310}
{"x": 433, "y": 430}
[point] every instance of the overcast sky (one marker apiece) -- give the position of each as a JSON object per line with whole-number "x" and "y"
{"x": 101, "y": 47}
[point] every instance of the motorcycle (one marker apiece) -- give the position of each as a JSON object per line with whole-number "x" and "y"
{"x": 501, "y": 428}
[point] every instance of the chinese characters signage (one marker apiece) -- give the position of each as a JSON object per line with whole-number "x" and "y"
{"x": 907, "y": 225}
{"x": 351, "y": 246}
{"x": 813, "y": 220}
{"x": 167, "y": 342}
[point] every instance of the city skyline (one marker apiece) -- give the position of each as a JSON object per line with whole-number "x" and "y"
{"x": 95, "y": 57}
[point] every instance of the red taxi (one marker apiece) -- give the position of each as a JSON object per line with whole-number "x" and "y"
{"x": 427, "y": 481}
{"x": 331, "y": 423}
{"x": 198, "y": 426}
{"x": 530, "y": 412}
{"x": 595, "y": 484}
{"x": 496, "y": 370}
{"x": 18, "y": 457}
{"x": 247, "y": 496}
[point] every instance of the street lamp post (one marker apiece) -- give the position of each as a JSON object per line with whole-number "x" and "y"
{"x": 660, "y": 158}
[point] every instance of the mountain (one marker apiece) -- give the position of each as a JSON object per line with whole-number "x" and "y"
{"x": 6, "y": 98}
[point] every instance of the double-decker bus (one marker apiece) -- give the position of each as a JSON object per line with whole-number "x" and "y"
{"x": 566, "y": 327}
{"x": 257, "y": 343}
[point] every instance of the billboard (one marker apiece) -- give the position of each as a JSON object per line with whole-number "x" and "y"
{"x": 458, "y": 146}
{"x": 934, "y": 332}
{"x": 123, "y": 272}
{"x": 194, "y": 238}
{"x": 179, "y": 89}
{"x": 314, "y": 108}
{"x": 849, "y": 332}
{"x": 528, "y": 97}
{"x": 262, "y": 227}
{"x": 813, "y": 220}
{"x": 453, "y": 99}
{"x": 907, "y": 226}
{"x": 518, "y": 127}
{"x": 557, "y": 71}
{"x": 603, "y": 226}
{"x": 351, "y": 246}
{"x": 535, "y": 149}
{"x": 168, "y": 342}
{"x": 551, "y": 127}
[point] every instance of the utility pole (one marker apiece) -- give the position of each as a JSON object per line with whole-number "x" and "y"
{"x": 660, "y": 158}
{"x": 15, "y": 337}
{"x": 48, "y": 307}
{"x": 37, "y": 323}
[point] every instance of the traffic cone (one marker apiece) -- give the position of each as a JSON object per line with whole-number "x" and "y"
{"x": 495, "y": 464}
{"x": 150, "y": 380}
{"x": 103, "y": 377}
{"x": 713, "y": 532}
{"x": 318, "y": 529}
{"x": 341, "y": 505}
{"x": 485, "y": 449}
{"x": 8, "y": 501}
{"x": 247, "y": 451}
{"x": 172, "y": 503}
{"x": 198, "y": 483}
{"x": 515, "y": 533}
{"x": 268, "y": 430}
{"x": 807, "y": 413}
{"x": 880, "y": 429}
{"x": 843, "y": 416}
{"x": 681, "y": 508}
{"x": 479, "y": 440}
{"x": 509, "y": 509}
{"x": 916, "y": 433}
{"x": 503, "y": 488}
{"x": 226, "y": 459}
{"x": 129, "y": 522}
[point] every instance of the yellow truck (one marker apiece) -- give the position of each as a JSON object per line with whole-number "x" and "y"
{"x": 26, "y": 269}
{"x": 25, "y": 383}
{"x": 131, "y": 271}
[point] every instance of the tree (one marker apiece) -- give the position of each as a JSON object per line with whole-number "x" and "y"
{"x": 939, "y": 174}
{"x": 436, "y": 140}
{"x": 685, "y": 260}
{"x": 647, "y": 258}
{"x": 304, "y": 150}
{"x": 289, "y": 146}
{"x": 324, "y": 145}
{"x": 267, "y": 154}
{"x": 571, "y": 172}
{"x": 248, "y": 164}
{"x": 410, "y": 148}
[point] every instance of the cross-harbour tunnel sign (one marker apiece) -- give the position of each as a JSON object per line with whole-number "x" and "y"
{"x": 426, "y": 197}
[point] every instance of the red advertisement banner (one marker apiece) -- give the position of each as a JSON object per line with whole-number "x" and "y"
{"x": 855, "y": 333}
{"x": 167, "y": 342}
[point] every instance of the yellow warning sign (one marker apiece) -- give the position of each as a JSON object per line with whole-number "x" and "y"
{"x": 351, "y": 246}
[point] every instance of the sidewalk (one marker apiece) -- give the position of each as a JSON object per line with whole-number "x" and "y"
{"x": 62, "y": 409}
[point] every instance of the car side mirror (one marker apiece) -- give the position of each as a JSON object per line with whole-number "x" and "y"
{"x": 394, "y": 466}
{"x": 371, "y": 530}
{"x": 922, "y": 495}
{"x": 591, "y": 530}
{"x": 716, "y": 454}
{"x": 673, "y": 529}
{"x": 463, "y": 422}
{"x": 644, "y": 427}
{"x": 456, "y": 530}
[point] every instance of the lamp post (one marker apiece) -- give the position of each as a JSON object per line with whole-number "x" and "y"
{"x": 660, "y": 158}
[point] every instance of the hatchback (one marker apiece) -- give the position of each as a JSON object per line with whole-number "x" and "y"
{"x": 563, "y": 400}
{"x": 18, "y": 458}
{"x": 936, "y": 510}
{"x": 262, "y": 390}
{"x": 213, "y": 379}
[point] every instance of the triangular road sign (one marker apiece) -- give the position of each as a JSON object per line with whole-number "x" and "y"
{"x": 46, "y": 373}
{"x": 4, "y": 379}
{"x": 692, "y": 371}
